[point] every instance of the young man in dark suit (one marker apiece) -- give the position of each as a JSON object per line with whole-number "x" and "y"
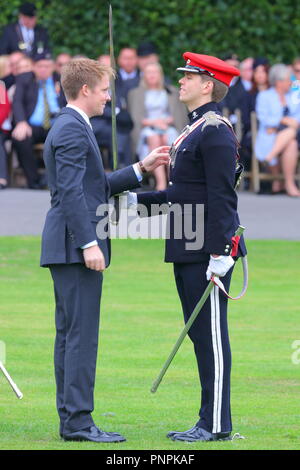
{"x": 70, "y": 247}
{"x": 25, "y": 35}
{"x": 202, "y": 176}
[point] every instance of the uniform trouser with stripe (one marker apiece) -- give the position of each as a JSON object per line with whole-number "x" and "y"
{"x": 209, "y": 335}
{"x": 77, "y": 295}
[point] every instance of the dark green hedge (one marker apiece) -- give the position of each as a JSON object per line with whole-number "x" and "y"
{"x": 250, "y": 28}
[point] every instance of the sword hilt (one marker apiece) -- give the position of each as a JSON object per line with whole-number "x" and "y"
{"x": 239, "y": 231}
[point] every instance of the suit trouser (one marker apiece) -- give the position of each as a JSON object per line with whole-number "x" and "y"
{"x": 26, "y": 156}
{"x": 77, "y": 294}
{"x": 209, "y": 334}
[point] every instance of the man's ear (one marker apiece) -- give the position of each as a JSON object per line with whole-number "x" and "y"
{"x": 85, "y": 90}
{"x": 208, "y": 86}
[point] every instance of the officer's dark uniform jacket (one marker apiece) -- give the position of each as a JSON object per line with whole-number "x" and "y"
{"x": 204, "y": 173}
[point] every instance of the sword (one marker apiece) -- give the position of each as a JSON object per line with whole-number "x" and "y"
{"x": 115, "y": 215}
{"x": 11, "y": 382}
{"x": 113, "y": 93}
{"x": 188, "y": 325}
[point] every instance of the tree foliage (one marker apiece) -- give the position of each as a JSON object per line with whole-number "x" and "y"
{"x": 269, "y": 28}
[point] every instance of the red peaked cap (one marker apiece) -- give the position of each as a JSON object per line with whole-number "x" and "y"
{"x": 211, "y": 66}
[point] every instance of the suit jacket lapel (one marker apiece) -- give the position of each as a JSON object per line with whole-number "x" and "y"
{"x": 93, "y": 140}
{"x": 88, "y": 128}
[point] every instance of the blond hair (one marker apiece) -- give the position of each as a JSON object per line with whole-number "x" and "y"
{"x": 82, "y": 71}
{"x": 160, "y": 69}
{"x": 219, "y": 88}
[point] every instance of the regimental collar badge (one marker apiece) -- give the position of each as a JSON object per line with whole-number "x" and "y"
{"x": 194, "y": 115}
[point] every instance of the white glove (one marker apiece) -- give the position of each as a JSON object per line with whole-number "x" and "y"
{"x": 131, "y": 200}
{"x": 128, "y": 200}
{"x": 219, "y": 266}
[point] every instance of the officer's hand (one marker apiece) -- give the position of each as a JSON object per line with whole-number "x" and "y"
{"x": 219, "y": 266}
{"x": 158, "y": 156}
{"x": 93, "y": 258}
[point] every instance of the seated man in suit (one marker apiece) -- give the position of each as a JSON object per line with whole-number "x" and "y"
{"x": 13, "y": 60}
{"x": 128, "y": 74}
{"x": 35, "y": 106}
{"x": 25, "y": 35}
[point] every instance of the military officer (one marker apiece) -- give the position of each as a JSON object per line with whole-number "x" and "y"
{"x": 203, "y": 173}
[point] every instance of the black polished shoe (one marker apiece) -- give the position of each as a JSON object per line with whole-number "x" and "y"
{"x": 171, "y": 433}
{"x": 198, "y": 434}
{"x": 93, "y": 434}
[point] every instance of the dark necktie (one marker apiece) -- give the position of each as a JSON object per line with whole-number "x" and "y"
{"x": 46, "y": 113}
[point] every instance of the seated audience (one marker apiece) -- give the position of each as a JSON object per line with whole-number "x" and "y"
{"x": 238, "y": 94}
{"x": 237, "y": 98}
{"x": 295, "y": 77}
{"x": 260, "y": 80}
{"x": 5, "y": 69}
{"x": 13, "y": 60}
{"x": 158, "y": 116}
{"x": 4, "y": 113}
{"x": 146, "y": 54}
{"x": 35, "y": 106}
{"x": 24, "y": 65}
{"x": 128, "y": 75}
{"x": 279, "y": 117}
{"x": 62, "y": 59}
{"x": 232, "y": 59}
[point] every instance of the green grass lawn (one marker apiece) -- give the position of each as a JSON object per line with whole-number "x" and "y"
{"x": 140, "y": 321}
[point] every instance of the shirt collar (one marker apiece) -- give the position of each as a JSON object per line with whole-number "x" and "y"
{"x": 82, "y": 113}
{"x": 125, "y": 75}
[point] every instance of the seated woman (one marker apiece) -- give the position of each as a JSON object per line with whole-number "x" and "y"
{"x": 279, "y": 118}
{"x": 260, "y": 80}
{"x": 4, "y": 114}
{"x": 158, "y": 116}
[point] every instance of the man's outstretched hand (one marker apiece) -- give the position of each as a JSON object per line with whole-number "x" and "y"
{"x": 158, "y": 156}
